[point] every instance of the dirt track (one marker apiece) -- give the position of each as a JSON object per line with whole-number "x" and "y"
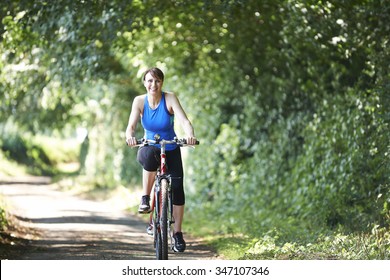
{"x": 56, "y": 225}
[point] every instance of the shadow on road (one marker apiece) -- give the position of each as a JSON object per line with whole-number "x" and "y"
{"x": 49, "y": 224}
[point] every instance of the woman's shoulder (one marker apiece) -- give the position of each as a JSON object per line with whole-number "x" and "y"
{"x": 170, "y": 95}
{"x": 139, "y": 98}
{"x": 171, "y": 102}
{"x": 138, "y": 101}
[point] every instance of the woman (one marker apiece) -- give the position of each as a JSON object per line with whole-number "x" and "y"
{"x": 157, "y": 110}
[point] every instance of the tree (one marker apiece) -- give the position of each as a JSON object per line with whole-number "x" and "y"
{"x": 289, "y": 92}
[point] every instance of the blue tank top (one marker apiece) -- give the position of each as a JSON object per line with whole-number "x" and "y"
{"x": 158, "y": 121}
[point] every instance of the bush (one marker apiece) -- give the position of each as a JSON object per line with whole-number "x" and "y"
{"x": 3, "y": 219}
{"x": 24, "y": 151}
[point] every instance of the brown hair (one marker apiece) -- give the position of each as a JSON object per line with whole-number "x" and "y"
{"x": 155, "y": 72}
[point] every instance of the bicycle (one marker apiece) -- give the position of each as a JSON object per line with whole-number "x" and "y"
{"x": 161, "y": 206}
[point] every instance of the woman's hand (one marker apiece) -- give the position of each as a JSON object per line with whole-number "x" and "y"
{"x": 131, "y": 141}
{"x": 191, "y": 140}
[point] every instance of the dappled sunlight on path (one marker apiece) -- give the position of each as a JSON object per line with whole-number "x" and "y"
{"x": 68, "y": 227}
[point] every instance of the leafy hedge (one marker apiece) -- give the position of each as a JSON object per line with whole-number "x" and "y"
{"x": 302, "y": 142}
{"x": 42, "y": 155}
{"x": 25, "y": 152}
{"x": 292, "y": 97}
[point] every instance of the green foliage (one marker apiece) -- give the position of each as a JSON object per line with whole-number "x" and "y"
{"x": 374, "y": 245}
{"x": 313, "y": 127}
{"x": 3, "y": 219}
{"x": 42, "y": 155}
{"x": 32, "y": 155}
{"x": 289, "y": 98}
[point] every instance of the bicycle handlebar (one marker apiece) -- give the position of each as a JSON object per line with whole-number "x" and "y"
{"x": 181, "y": 142}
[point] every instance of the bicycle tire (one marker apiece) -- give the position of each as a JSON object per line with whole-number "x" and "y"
{"x": 157, "y": 237}
{"x": 164, "y": 219}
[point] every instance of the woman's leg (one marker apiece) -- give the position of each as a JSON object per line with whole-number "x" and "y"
{"x": 178, "y": 214}
{"x": 175, "y": 168}
{"x": 147, "y": 181}
{"x": 148, "y": 157}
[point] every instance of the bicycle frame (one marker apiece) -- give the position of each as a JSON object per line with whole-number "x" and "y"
{"x": 162, "y": 207}
{"x": 162, "y": 216}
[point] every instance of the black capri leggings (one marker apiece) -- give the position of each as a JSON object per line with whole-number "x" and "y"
{"x": 149, "y": 158}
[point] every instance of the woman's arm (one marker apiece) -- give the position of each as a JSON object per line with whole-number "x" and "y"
{"x": 136, "y": 110}
{"x": 174, "y": 106}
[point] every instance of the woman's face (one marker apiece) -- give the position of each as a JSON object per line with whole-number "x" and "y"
{"x": 153, "y": 84}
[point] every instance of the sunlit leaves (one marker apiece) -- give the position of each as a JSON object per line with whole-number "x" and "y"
{"x": 290, "y": 93}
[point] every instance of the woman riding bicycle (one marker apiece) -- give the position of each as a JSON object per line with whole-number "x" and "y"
{"x": 157, "y": 110}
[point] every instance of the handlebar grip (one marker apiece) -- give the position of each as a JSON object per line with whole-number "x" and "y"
{"x": 139, "y": 142}
{"x": 196, "y": 143}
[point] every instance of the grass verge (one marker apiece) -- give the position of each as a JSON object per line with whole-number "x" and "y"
{"x": 332, "y": 245}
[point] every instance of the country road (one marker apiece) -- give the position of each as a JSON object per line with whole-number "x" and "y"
{"x": 58, "y": 225}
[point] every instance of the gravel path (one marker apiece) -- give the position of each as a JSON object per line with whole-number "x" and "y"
{"x": 56, "y": 225}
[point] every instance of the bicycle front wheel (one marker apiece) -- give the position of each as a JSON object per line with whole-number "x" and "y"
{"x": 164, "y": 219}
{"x": 157, "y": 237}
